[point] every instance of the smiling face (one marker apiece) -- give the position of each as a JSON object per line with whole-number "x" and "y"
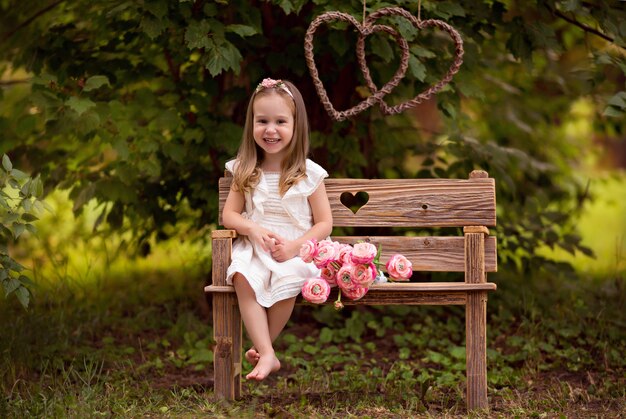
{"x": 273, "y": 125}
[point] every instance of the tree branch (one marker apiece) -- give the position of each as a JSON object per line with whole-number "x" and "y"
{"x": 584, "y": 27}
{"x": 28, "y": 21}
{"x": 12, "y": 82}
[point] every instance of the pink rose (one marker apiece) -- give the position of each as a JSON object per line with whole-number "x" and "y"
{"x": 269, "y": 83}
{"x": 329, "y": 273}
{"x": 355, "y": 293}
{"x": 399, "y": 268}
{"x": 364, "y": 253}
{"x": 345, "y": 280}
{"x": 345, "y": 254}
{"x": 315, "y": 290}
{"x": 325, "y": 253}
{"x": 308, "y": 250}
{"x": 363, "y": 275}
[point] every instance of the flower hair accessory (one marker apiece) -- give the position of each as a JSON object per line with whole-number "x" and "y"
{"x": 273, "y": 84}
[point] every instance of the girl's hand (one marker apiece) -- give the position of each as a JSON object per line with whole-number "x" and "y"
{"x": 284, "y": 250}
{"x": 262, "y": 237}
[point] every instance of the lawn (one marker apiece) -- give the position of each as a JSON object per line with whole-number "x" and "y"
{"x": 111, "y": 334}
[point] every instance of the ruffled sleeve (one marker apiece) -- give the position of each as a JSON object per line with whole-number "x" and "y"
{"x": 230, "y": 166}
{"x": 295, "y": 201}
{"x": 252, "y": 201}
{"x": 315, "y": 175}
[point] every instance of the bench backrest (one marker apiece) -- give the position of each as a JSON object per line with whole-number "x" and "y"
{"x": 417, "y": 203}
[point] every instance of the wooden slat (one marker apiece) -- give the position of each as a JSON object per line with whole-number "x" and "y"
{"x": 400, "y": 287}
{"x": 476, "y": 323}
{"x": 428, "y": 254}
{"x": 226, "y": 327}
{"x": 413, "y": 293}
{"x": 431, "y": 254}
{"x": 408, "y": 202}
{"x": 223, "y": 234}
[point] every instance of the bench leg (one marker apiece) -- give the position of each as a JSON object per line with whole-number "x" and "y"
{"x": 476, "y": 350}
{"x": 227, "y": 354}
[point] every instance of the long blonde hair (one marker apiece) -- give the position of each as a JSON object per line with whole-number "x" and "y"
{"x": 250, "y": 155}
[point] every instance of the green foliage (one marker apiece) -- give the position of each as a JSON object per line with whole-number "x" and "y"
{"x": 137, "y": 105}
{"x": 20, "y": 206}
{"x": 132, "y": 337}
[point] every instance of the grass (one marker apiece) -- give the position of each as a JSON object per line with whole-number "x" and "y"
{"x": 139, "y": 345}
{"x": 117, "y": 336}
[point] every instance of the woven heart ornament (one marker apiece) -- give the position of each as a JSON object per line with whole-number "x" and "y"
{"x": 419, "y": 24}
{"x": 367, "y": 28}
{"x": 364, "y": 31}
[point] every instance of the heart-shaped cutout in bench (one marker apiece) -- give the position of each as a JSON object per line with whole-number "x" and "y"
{"x": 354, "y": 201}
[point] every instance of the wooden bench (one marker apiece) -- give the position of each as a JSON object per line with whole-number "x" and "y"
{"x": 415, "y": 203}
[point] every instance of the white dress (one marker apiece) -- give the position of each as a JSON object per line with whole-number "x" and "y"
{"x": 288, "y": 216}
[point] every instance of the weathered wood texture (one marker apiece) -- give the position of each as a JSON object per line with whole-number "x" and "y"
{"x": 399, "y": 293}
{"x": 408, "y": 202}
{"x": 476, "y": 323}
{"x": 227, "y": 328}
{"x": 391, "y": 203}
{"x": 426, "y": 253}
{"x": 429, "y": 254}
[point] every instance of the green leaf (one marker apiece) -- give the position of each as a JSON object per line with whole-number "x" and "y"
{"x": 19, "y": 175}
{"x": 241, "y": 30}
{"x": 223, "y": 57}
{"x": 291, "y": 6}
{"x": 152, "y": 27}
{"x": 37, "y": 188}
{"x": 44, "y": 79}
{"x": 6, "y": 163}
{"x": 197, "y": 35}
{"x": 326, "y": 335}
{"x": 79, "y": 105}
{"x": 23, "y": 296}
{"x": 612, "y": 112}
{"x": 618, "y": 100}
{"x": 95, "y": 82}
{"x": 416, "y": 68}
{"x": 175, "y": 151}
{"x": 29, "y": 217}
{"x": 26, "y": 281}
{"x": 204, "y": 355}
{"x": 337, "y": 41}
{"x": 458, "y": 352}
{"x": 114, "y": 190}
{"x": 382, "y": 48}
{"x": 157, "y": 8}
{"x": 448, "y": 9}
{"x": 18, "y": 229}
{"x": 11, "y": 285}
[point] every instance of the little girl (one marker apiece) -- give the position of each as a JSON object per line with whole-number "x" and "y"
{"x": 276, "y": 203}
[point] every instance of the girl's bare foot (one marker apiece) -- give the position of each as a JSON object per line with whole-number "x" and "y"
{"x": 252, "y": 356}
{"x": 265, "y": 366}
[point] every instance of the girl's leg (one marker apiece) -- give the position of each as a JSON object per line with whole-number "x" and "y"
{"x": 277, "y": 317}
{"x": 255, "y": 319}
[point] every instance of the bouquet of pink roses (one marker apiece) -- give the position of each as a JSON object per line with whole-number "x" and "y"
{"x": 351, "y": 268}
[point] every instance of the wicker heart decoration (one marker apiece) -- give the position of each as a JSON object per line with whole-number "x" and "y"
{"x": 419, "y": 24}
{"x": 366, "y": 29}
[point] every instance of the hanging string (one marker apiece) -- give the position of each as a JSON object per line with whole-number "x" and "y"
{"x": 364, "y": 1}
{"x": 419, "y": 10}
